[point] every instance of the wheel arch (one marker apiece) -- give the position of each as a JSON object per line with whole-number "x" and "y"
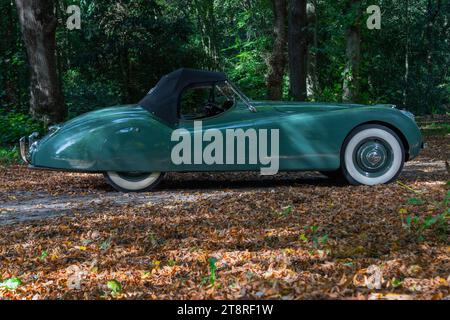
{"x": 387, "y": 125}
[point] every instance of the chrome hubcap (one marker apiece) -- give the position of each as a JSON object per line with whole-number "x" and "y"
{"x": 373, "y": 157}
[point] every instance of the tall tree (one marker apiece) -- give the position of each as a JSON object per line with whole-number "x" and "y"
{"x": 298, "y": 49}
{"x": 277, "y": 60}
{"x": 406, "y": 74}
{"x": 7, "y": 75}
{"x": 433, "y": 12}
{"x": 38, "y": 25}
{"x": 207, "y": 25}
{"x": 351, "y": 85}
{"x": 313, "y": 45}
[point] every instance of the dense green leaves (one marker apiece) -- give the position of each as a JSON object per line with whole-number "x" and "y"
{"x": 124, "y": 47}
{"x": 114, "y": 286}
{"x": 11, "y": 283}
{"x": 14, "y": 125}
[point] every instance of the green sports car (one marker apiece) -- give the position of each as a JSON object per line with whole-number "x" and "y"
{"x": 196, "y": 120}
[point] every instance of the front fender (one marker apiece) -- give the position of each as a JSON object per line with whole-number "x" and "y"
{"x": 405, "y": 126}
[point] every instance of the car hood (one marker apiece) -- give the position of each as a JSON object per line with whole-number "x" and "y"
{"x": 301, "y": 107}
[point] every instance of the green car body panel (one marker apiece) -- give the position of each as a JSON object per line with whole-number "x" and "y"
{"x": 131, "y": 139}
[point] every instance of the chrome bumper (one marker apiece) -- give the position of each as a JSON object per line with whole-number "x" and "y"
{"x": 25, "y": 144}
{"x": 24, "y": 149}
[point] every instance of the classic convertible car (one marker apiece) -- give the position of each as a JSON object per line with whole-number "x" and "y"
{"x": 196, "y": 120}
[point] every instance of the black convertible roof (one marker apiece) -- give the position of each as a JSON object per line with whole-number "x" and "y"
{"x": 162, "y": 100}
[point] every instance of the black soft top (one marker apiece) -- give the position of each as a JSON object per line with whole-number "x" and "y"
{"x": 162, "y": 100}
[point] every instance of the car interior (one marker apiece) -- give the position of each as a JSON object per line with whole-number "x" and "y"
{"x": 205, "y": 101}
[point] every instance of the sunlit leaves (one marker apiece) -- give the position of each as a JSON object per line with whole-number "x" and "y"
{"x": 415, "y": 201}
{"x": 44, "y": 255}
{"x": 212, "y": 270}
{"x": 11, "y": 283}
{"x": 115, "y": 286}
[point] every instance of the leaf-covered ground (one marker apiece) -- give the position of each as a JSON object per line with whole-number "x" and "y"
{"x": 223, "y": 236}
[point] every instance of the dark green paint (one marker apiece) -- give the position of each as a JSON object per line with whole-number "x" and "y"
{"x": 128, "y": 138}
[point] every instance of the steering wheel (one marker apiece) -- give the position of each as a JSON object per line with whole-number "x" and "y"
{"x": 212, "y": 108}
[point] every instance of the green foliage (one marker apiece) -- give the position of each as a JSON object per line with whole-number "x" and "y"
{"x": 396, "y": 282}
{"x": 436, "y": 129}
{"x": 415, "y": 201}
{"x": 171, "y": 262}
{"x": 212, "y": 270}
{"x": 11, "y": 283}
{"x": 106, "y": 244}
{"x": 123, "y": 48}
{"x": 14, "y": 125}
{"x": 115, "y": 286}
{"x": 44, "y": 255}
{"x": 9, "y": 155}
{"x": 419, "y": 225}
{"x": 312, "y": 235}
{"x": 83, "y": 96}
{"x": 436, "y": 223}
{"x": 285, "y": 211}
{"x": 382, "y": 72}
{"x": 246, "y": 43}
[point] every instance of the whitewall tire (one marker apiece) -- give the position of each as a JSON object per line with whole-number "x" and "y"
{"x": 133, "y": 182}
{"x": 372, "y": 154}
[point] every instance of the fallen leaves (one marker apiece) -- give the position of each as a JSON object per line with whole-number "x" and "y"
{"x": 390, "y": 296}
{"x": 294, "y": 236}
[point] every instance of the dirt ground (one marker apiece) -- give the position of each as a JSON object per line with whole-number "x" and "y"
{"x": 237, "y": 235}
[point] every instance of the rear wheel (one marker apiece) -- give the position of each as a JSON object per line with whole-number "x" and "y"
{"x": 373, "y": 154}
{"x": 133, "y": 181}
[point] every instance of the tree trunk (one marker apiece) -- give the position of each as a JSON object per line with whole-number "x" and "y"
{"x": 277, "y": 61}
{"x": 38, "y": 26}
{"x": 298, "y": 49}
{"x": 406, "y": 75}
{"x": 313, "y": 80}
{"x": 432, "y": 14}
{"x": 9, "y": 75}
{"x": 206, "y": 21}
{"x": 351, "y": 84}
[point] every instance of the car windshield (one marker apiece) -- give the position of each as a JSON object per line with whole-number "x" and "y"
{"x": 241, "y": 95}
{"x": 206, "y": 100}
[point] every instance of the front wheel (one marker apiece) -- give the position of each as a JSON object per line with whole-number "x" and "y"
{"x": 133, "y": 181}
{"x": 373, "y": 154}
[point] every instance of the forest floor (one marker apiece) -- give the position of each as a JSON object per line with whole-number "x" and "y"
{"x": 224, "y": 236}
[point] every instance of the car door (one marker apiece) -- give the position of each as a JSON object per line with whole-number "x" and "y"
{"x": 208, "y": 142}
